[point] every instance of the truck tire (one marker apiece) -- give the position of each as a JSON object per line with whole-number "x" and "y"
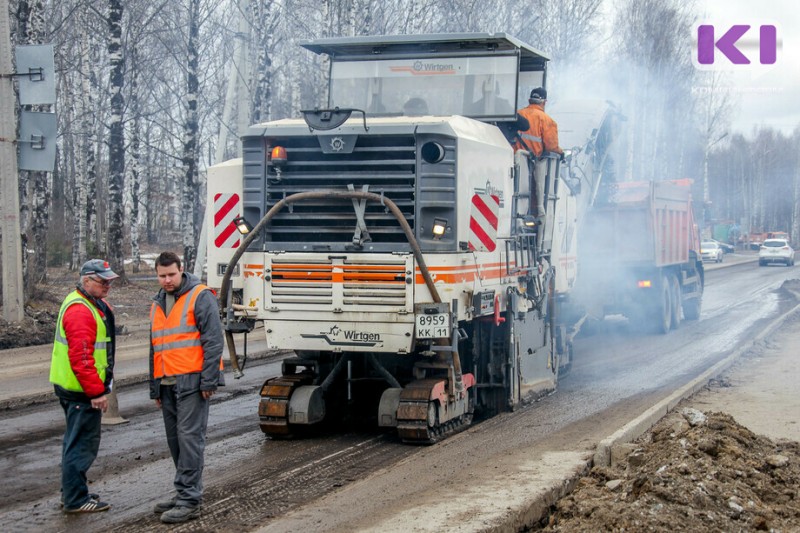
{"x": 676, "y": 302}
{"x": 662, "y": 308}
{"x": 691, "y": 308}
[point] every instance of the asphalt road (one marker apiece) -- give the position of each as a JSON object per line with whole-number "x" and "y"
{"x": 359, "y": 479}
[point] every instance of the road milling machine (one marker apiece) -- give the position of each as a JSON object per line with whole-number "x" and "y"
{"x": 393, "y": 240}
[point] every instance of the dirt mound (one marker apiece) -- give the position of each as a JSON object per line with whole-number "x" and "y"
{"x": 37, "y": 327}
{"x": 131, "y": 302}
{"x": 691, "y": 472}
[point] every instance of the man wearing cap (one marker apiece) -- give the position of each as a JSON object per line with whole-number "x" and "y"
{"x": 542, "y": 135}
{"x": 82, "y": 371}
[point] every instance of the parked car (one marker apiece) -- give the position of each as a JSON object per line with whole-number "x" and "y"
{"x": 775, "y": 251}
{"x": 726, "y": 248}
{"x": 711, "y": 251}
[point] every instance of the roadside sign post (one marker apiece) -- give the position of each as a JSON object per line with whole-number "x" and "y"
{"x": 13, "y": 294}
{"x": 37, "y": 144}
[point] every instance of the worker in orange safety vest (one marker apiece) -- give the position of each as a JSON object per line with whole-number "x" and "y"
{"x": 542, "y": 135}
{"x": 186, "y": 343}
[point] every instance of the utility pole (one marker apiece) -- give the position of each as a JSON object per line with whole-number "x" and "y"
{"x": 13, "y": 296}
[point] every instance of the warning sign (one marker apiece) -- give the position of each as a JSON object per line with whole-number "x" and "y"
{"x": 483, "y": 222}
{"x": 226, "y": 208}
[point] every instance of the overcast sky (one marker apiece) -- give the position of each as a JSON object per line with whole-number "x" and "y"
{"x": 764, "y": 95}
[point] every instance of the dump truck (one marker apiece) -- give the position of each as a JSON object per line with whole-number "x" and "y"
{"x": 640, "y": 255}
{"x": 389, "y": 238}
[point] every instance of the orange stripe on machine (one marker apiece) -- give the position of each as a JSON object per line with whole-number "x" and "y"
{"x": 321, "y": 273}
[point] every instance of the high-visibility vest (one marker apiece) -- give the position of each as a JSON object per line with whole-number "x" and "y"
{"x": 175, "y": 338}
{"x": 61, "y": 372}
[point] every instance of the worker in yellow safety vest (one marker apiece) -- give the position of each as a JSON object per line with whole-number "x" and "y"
{"x": 82, "y": 373}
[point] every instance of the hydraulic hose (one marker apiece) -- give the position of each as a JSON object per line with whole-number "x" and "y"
{"x": 314, "y": 195}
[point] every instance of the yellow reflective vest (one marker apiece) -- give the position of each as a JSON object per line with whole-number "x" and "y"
{"x": 61, "y": 372}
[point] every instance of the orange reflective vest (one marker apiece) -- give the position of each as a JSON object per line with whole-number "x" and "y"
{"x": 175, "y": 338}
{"x": 543, "y": 132}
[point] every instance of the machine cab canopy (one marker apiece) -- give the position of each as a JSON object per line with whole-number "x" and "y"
{"x": 480, "y": 75}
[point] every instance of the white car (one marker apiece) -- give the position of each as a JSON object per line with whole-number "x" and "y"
{"x": 775, "y": 251}
{"x": 711, "y": 251}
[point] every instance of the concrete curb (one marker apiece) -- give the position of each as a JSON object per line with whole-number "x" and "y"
{"x": 48, "y": 396}
{"x": 646, "y": 420}
{"x": 42, "y": 397}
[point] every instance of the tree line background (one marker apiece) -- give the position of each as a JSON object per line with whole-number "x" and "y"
{"x": 143, "y": 86}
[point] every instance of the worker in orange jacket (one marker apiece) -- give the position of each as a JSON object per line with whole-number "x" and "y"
{"x": 541, "y": 136}
{"x": 543, "y": 132}
{"x": 186, "y": 343}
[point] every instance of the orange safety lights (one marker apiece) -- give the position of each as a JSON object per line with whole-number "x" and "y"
{"x": 278, "y": 155}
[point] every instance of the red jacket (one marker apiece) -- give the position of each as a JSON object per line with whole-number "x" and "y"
{"x": 81, "y": 330}
{"x": 543, "y": 129}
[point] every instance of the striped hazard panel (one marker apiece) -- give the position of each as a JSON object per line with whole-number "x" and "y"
{"x": 483, "y": 222}
{"x": 226, "y": 208}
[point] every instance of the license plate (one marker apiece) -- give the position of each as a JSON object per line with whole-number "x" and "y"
{"x": 433, "y": 326}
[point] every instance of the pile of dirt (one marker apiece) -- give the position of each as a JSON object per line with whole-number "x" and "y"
{"x": 37, "y": 327}
{"x": 691, "y": 472}
{"x": 131, "y": 302}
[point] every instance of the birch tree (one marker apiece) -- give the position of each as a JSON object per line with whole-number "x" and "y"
{"x": 86, "y": 140}
{"x": 190, "y": 192}
{"x": 116, "y": 140}
{"x": 134, "y": 172}
{"x": 35, "y": 219}
{"x": 265, "y": 21}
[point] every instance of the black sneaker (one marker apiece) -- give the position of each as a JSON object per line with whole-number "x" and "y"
{"x": 92, "y": 496}
{"x": 180, "y": 513}
{"x": 163, "y": 507}
{"x": 91, "y": 506}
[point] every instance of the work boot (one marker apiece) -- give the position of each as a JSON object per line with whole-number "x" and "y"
{"x": 163, "y": 507}
{"x": 180, "y": 513}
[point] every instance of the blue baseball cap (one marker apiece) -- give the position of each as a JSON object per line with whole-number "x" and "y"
{"x": 99, "y": 268}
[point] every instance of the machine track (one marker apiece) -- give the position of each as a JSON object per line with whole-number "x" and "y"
{"x": 423, "y": 403}
{"x": 273, "y": 409}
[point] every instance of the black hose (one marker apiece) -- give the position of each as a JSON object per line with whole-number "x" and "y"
{"x": 313, "y": 195}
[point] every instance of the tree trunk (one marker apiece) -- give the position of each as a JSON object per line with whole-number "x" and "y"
{"x": 190, "y": 192}
{"x": 85, "y": 160}
{"x": 263, "y": 30}
{"x": 35, "y": 221}
{"x": 135, "y": 159}
{"x": 116, "y": 141}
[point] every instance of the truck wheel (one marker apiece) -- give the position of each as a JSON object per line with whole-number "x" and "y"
{"x": 676, "y": 302}
{"x": 662, "y": 310}
{"x": 691, "y": 308}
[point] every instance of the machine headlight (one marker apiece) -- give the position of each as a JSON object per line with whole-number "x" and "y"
{"x": 439, "y": 227}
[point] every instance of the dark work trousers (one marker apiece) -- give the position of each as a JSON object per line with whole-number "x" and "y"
{"x": 81, "y": 442}
{"x": 185, "y": 420}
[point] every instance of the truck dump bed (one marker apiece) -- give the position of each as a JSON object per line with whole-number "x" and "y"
{"x": 642, "y": 224}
